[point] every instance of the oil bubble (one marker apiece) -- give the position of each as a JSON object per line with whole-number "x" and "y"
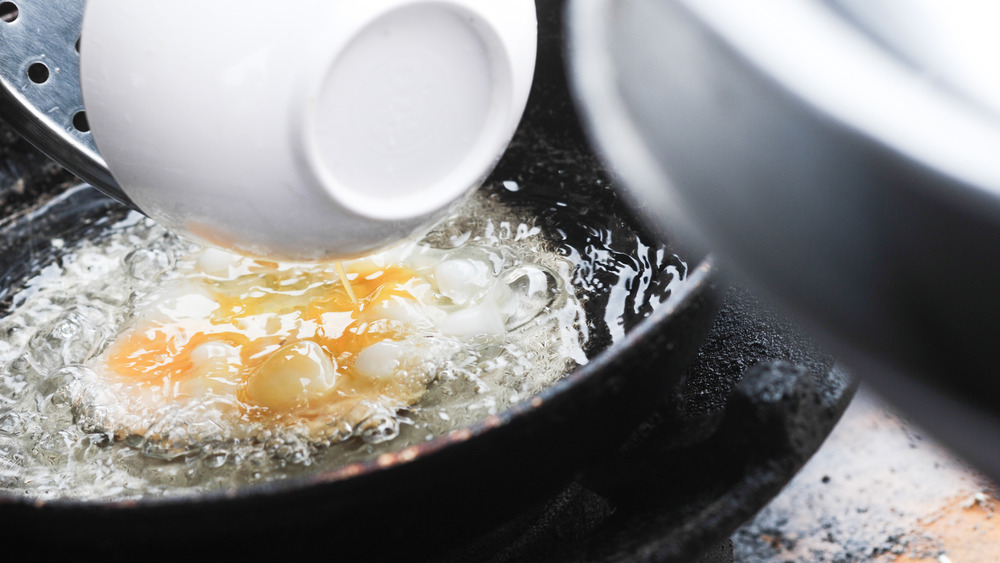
{"x": 20, "y": 365}
{"x": 12, "y": 388}
{"x": 11, "y": 424}
{"x": 379, "y": 427}
{"x": 532, "y": 290}
{"x": 216, "y": 459}
{"x": 70, "y": 338}
{"x": 147, "y": 263}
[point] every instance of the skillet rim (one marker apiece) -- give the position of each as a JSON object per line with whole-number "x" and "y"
{"x": 700, "y": 279}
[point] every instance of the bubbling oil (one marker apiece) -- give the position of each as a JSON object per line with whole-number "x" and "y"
{"x": 127, "y": 366}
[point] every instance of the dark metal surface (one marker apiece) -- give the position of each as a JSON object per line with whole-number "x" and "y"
{"x": 25, "y": 174}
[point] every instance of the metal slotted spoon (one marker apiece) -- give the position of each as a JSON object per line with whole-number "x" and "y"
{"x": 40, "y": 95}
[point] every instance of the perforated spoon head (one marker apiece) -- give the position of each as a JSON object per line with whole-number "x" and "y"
{"x": 40, "y": 95}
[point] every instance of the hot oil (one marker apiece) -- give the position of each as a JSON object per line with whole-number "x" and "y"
{"x": 581, "y": 280}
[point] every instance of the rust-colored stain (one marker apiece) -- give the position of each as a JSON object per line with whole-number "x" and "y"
{"x": 963, "y": 530}
{"x": 879, "y": 491}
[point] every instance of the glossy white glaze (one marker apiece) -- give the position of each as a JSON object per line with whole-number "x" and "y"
{"x": 305, "y": 130}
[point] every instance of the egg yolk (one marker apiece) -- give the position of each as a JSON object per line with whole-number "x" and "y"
{"x": 272, "y": 342}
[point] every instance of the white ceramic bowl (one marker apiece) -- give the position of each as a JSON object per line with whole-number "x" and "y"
{"x": 310, "y": 129}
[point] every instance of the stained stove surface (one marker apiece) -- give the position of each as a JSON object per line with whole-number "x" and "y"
{"x": 698, "y": 468}
{"x": 880, "y": 489}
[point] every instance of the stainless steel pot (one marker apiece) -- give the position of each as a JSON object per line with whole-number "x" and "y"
{"x": 845, "y": 156}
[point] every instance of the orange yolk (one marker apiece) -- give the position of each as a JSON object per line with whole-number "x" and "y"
{"x": 279, "y": 342}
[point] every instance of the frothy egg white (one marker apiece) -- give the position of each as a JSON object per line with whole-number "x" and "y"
{"x": 236, "y": 344}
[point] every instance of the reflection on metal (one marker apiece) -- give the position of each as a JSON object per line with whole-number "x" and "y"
{"x": 40, "y": 94}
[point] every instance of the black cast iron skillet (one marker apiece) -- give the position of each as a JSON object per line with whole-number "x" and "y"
{"x": 416, "y": 498}
{"x": 587, "y": 481}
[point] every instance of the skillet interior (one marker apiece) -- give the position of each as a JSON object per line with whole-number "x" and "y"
{"x": 702, "y": 463}
{"x": 416, "y": 498}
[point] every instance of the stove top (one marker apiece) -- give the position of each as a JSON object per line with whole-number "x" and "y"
{"x": 880, "y": 489}
{"x": 699, "y": 467}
